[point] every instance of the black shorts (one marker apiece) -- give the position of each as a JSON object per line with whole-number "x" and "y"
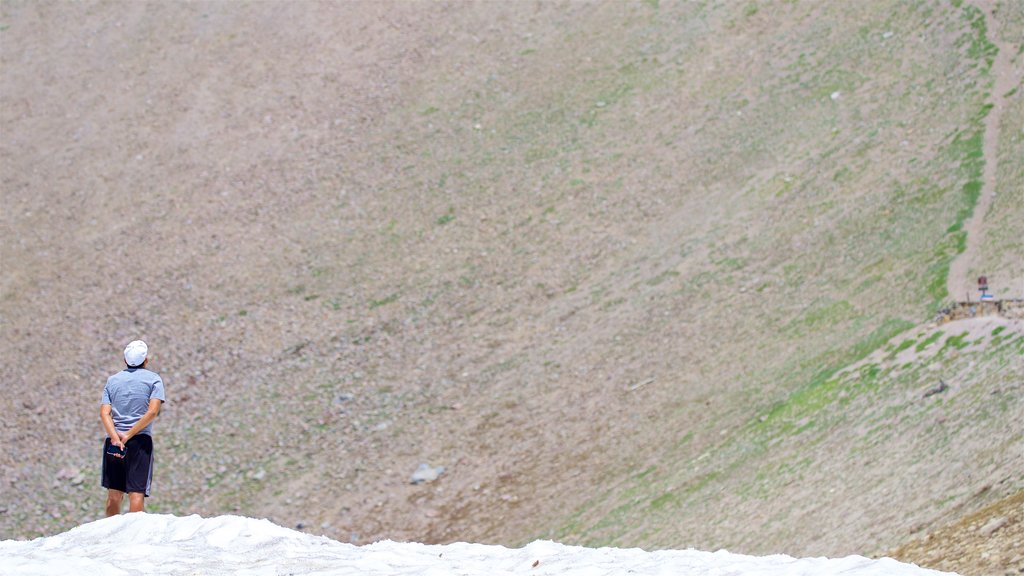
{"x": 133, "y": 472}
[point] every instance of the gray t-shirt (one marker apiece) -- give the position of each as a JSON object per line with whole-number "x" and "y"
{"x": 128, "y": 392}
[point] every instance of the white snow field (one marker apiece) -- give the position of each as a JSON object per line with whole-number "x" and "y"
{"x": 134, "y": 544}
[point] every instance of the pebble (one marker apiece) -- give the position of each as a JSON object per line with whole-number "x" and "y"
{"x": 992, "y": 526}
{"x": 426, "y": 473}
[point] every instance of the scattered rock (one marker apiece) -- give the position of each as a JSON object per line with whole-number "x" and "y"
{"x": 426, "y": 473}
{"x": 942, "y": 387}
{"x": 992, "y": 526}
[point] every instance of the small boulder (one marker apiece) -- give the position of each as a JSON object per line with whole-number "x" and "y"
{"x": 992, "y": 526}
{"x": 426, "y": 473}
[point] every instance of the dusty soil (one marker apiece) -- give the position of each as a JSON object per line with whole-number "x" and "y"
{"x": 571, "y": 251}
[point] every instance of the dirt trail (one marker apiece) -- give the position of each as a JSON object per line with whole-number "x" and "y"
{"x": 960, "y": 283}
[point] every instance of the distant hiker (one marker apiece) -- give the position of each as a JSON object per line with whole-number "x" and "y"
{"x": 131, "y": 401}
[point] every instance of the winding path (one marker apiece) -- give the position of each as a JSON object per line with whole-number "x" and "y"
{"x": 959, "y": 284}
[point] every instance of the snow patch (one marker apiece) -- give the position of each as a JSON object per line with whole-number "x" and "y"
{"x": 228, "y": 545}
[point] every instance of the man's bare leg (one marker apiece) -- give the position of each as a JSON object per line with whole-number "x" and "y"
{"x": 136, "y": 502}
{"x": 114, "y": 499}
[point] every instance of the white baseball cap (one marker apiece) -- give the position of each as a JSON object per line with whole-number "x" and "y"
{"x": 135, "y": 353}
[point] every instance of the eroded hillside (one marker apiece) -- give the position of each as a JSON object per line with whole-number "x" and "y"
{"x": 629, "y": 271}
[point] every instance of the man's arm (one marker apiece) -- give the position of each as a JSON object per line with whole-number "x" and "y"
{"x": 151, "y": 413}
{"x": 108, "y": 426}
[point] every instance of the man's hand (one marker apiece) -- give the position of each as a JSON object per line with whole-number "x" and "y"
{"x": 122, "y": 438}
{"x": 118, "y": 443}
{"x": 116, "y": 438}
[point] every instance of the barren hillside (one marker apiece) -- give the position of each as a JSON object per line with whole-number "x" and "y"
{"x": 631, "y": 272}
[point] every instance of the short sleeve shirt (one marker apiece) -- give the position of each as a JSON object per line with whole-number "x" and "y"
{"x": 128, "y": 392}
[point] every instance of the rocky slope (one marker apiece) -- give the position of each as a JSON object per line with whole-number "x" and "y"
{"x": 628, "y": 271}
{"x": 984, "y": 542}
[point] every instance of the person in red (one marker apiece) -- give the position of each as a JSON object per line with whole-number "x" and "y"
{"x": 131, "y": 401}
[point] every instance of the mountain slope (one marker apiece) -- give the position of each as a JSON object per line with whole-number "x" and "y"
{"x": 563, "y": 252}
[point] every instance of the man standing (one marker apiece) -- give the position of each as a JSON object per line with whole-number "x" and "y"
{"x": 131, "y": 401}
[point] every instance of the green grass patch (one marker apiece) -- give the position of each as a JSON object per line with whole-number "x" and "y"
{"x": 731, "y": 263}
{"x": 446, "y": 217}
{"x": 383, "y": 301}
{"x": 976, "y": 40}
{"x": 904, "y": 345}
{"x": 663, "y": 500}
{"x": 686, "y": 439}
{"x": 645, "y": 472}
{"x": 784, "y": 417}
{"x": 959, "y": 341}
{"x": 933, "y": 338}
